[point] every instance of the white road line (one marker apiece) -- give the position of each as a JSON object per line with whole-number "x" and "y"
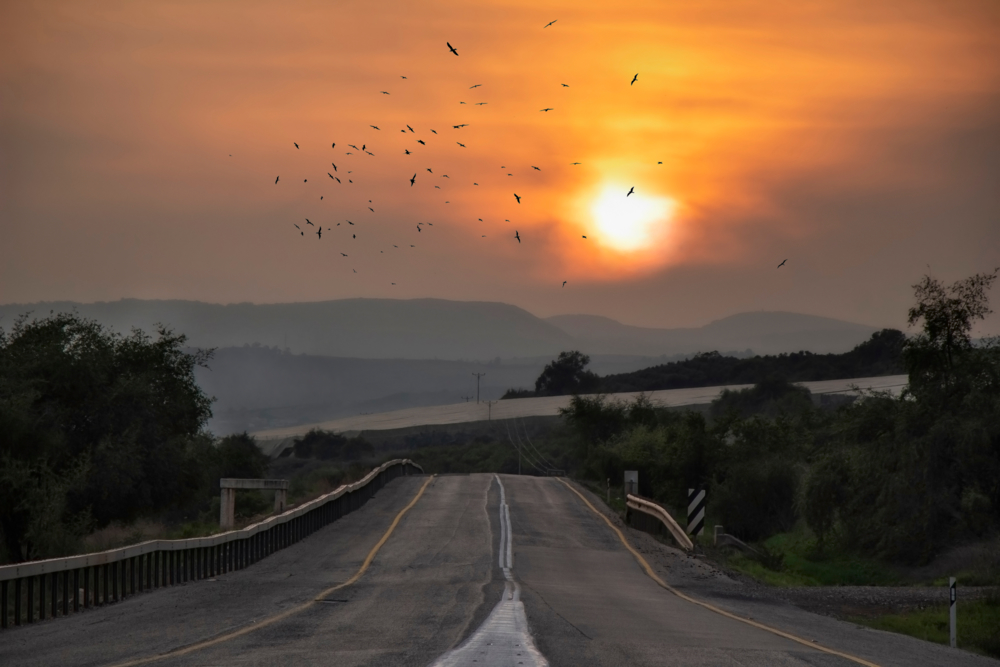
{"x": 504, "y": 637}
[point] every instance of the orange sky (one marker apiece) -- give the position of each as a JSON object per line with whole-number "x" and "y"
{"x": 858, "y": 140}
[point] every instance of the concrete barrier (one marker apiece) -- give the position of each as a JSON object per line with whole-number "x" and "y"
{"x": 59, "y": 586}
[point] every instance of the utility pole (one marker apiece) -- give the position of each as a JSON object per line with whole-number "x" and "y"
{"x": 489, "y": 407}
{"x": 478, "y": 375}
{"x": 466, "y": 398}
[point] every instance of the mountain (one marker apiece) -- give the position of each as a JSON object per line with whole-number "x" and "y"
{"x": 762, "y": 332}
{"x": 368, "y": 328}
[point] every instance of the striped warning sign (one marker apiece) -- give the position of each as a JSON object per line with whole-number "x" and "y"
{"x": 696, "y": 511}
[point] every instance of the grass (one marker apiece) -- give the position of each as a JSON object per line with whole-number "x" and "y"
{"x": 978, "y": 625}
{"x": 804, "y": 565}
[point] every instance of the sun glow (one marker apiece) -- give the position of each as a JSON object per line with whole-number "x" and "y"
{"x": 633, "y": 222}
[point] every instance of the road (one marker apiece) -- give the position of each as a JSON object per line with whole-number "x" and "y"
{"x": 437, "y": 587}
{"x": 459, "y": 413}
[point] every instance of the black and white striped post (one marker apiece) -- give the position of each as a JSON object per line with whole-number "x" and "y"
{"x": 953, "y": 614}
{"x": 696, "y": 511}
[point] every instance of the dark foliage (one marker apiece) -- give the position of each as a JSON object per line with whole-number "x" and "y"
{"x": 327, "y": 445}
{"x": 567, "y": 375}
{"x": 880, "y": 355}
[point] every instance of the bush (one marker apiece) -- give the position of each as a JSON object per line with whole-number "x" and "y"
{"x": 758, "y": 500}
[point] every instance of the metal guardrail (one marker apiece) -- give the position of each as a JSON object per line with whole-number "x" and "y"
{"x": 651, "y": 508}
{"x": 58, "y": 586}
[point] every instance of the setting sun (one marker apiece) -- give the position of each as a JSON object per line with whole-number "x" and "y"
{"x": 630, "y": 222}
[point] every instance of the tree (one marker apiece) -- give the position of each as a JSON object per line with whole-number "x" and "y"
{"x": 567, "y": 375}
{"x": 94, "y": 427}
{"x": 948, "y": 315}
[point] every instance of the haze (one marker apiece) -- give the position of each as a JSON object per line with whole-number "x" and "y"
{"x": 857, "y": 140}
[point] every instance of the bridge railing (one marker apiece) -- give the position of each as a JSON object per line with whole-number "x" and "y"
{"x": 56, "y": 587}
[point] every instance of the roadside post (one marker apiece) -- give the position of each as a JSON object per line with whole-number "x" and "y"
{"x": 609, "y": 492}
{"x": 696, "y": 511}
{"x": 631, "y": 482}
{"x": 953, "y": 615}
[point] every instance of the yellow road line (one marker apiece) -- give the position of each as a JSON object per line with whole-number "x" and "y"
{"x": 654, "y": 577}
{"x": 289, "y": 612}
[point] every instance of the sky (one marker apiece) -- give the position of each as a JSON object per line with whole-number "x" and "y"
{"x": 860, "y": 141}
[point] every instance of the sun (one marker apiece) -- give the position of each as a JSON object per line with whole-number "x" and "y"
{"x": 633, "y": 222}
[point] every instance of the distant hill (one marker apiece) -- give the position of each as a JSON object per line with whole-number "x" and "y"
{"x": 367, "y": 328}
{"x": 762, "y": 332}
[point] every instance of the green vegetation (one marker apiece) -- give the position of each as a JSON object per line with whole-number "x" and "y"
{"x": 978, "y": 624}
{"x": 98, "y": 428}
{"x": 882, "y": 354}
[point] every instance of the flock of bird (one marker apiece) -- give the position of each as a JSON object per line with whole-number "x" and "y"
{"x": 335, "y": 175}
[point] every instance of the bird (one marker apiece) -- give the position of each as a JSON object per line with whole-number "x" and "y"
{"x": 631, "y": 190}
{"x": 564, "y": 283}
{"x": 330, "y": 175}
{"x": 517, "y": 236}
{"x": 296, "y": 145}
{"x": 479, "y": 104}
{"x": 461, "y": 102}
{"x": 565, "y": 85}
{"x": 348, "y": 153}
{"x": 584, "y": 237}
{"x": 434, "y": 131}
{"x": 549, "y": 23}
{"x": 319, "y": 232}
{"x": 343, "y": 254}
{"x": 534, "y": 167}
{"x": 475, "y": 86}
{"x": 407, "y": 151}
{"x": 475, "y": 183}
{"x": 297, "y": 227}
{"x": 517, "y": 198}
{"x": 276, "y": 180}
{"x": 412, "y": 180}
{"x": 460, "y": 144}
{"x": 421, "y": 141}
{"x": 334, "y": 145}
{"x": 409, "y": 128}
{"x": 308, "y": 222}
{"x": 574, "y": 163}
{"x": 370, "y": 153}
{"x": 634, "y": 78}
{"x": 660, "y": 162}
{"x": 782, "y": 263}
{"x": 445, "y": 176}
{"x": 349, "y": 222}
{"x": 371, "y": 209}
{"x": 547, "y": 109}
{"x": 353, "y": 146}
{"x": 460, "y": 126}
{"x": 384, "y": 92}
{"x": 401, "y": 76}
{"x": 305, "y": 180}
{"x": 418, "y": 228}
{"x": 375, "y": 126}
{"x": 451, "y": 48}
{"x": 337, "y": 179}
{"x": 429, "y": 170}
{"x": 334, "y": 166}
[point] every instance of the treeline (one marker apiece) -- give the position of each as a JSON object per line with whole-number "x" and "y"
{"x": 899, "y": 478}
{"x": 97, "y": 427}
{"x": 882, "y": 354}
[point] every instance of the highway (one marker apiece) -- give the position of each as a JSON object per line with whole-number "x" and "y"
{"x": 430, "y": 572}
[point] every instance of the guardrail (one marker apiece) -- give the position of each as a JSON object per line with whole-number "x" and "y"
{"x": 654, "y": 510}
{"x": 59, "y": 586}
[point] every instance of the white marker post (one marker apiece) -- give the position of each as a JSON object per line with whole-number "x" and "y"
{"x": 953, "y": 613}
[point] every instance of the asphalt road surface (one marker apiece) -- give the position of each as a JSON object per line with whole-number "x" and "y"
{"x": 440, "y": 589}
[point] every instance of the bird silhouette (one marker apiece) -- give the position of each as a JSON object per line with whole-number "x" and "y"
{"x": 445, "y": 176}
{"x": 517, "y": 236}
{"x": 576, "y": 163}
{"x": 547, "y": 109}
{"x": 407, "y": 152}
{"x": 421, "y": 141}
{"x": 384, "y": 92}
{"x": 631, "y": 190}
{"x": 296, "y": 145}
{"x": 353, "y": 146}
{"x": 451, "y": 48}
{"x": 517, "y": 198}
{"x": 297, "y": 227}
{"x": 475, "y": 86}
{"x": 434, "y": 131}
{"x": 782, "y": 263}
{"x": 460, "y": 126}
{"x": 401, "y": 76}
{"x": 584, "y": 237}
{"x": 343, "y": 254}
{"x": 565, "y": 85}
{"x": 371, "y": 209}
{"x": 337, "y": 179}
{"x": 309, "y": 223}
{"x": 429, "y": 170}
{"x": 349, "y": 222}
{"x": 334, "y": 166}
{"x": 330, "y": 175}
{"x": 534, "y": 167}
{"x": 412, "y": 180}
{"x": 305, "y": 180}
{"x": 460, "y": 144}
{"x": 564, "y": 283}
{"x": 319, "y": 232}
{"x": 375, "y": 126}
{"x": 634, "y": 78}
{"x": 479, "y": 104}
{"x": 418, "y": 228}
{"x": 333, "y": 145}
{"x": 276, "y": 180}
{"x": 549, "y": 23}
{"x": 409, "y": 128}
